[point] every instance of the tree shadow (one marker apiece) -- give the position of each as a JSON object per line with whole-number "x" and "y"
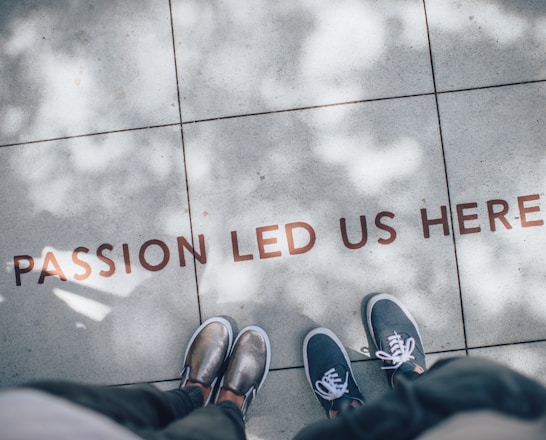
{"x": 73, "y": 71}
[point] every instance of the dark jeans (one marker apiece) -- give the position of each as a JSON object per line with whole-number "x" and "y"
{"x": 154, "y": 414}
{"x": 450, "y": 387}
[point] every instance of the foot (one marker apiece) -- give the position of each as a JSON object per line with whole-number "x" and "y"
{"x": 329, "y": 372}
{"x": 247, "y": 368}
{"x": 396, "y": 336}
{"x": 205, "y": 355}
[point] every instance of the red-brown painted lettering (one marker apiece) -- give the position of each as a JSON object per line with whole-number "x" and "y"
{"x": 384, "y": 227}
{"x": 463, "y": 218}
{"x": 47, "y": 272}
{"x": 500, "y": 215}
{"x": 524, "y": 210}
{"x": 443, "y": 220}
{"x": 235, "y": 246}
{"x": 363, "y": 231}
{"x": 104, "y": 259}
{"x": 263, "y": 242}
{"x": 21, "y": 270}
{"x": 126, "y": 257}
{"x": 289, "y": 228}
{"x": 79, "y": 262}
{"x": 183, "y": 244}
{"x": 164, "y": 261}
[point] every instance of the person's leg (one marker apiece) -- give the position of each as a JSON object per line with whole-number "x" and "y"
{"x": 420, "y": 401}
{"x": 222, "y": 421}
{"x": 450, "y": 387}
{"x": 141, "y": 407}
{"x": 245, "y": 374}
{"x": 395, "y": 334}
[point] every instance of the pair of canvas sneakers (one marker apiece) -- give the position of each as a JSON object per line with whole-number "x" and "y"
{"x": 212, "y": 360}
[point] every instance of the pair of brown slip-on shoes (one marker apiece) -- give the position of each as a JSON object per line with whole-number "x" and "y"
{"x": 242, "y": 366}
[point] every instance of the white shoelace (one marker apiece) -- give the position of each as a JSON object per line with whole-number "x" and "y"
{"x": 331, "y": 386}
{"x": 400, "y": 351}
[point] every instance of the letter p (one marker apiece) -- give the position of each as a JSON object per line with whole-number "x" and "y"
{"x": 20, "y": 270}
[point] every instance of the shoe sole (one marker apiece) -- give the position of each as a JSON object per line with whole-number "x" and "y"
{"x": 332, "y": 335}
{"x": 385, "y": 296}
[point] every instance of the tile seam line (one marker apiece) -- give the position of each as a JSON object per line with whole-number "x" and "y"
{"x": 173, "y": 124}
{"x": 195, "y": 121}
{"x": 364, "y": 101}
{"x": 310, "y": 107}
{"x": 428, "y": 353}
{"x": 493, "y": 86}
{"x": 507, "y": 344}
{"x": 99, "y": 133}
{"x": 299, "y": 367}
{"x": 198, "y": 296}
{"x": 440, "y": 132}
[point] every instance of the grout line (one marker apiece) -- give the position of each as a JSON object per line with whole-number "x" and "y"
{"x": 185, "y": 165}
{"x": 461, "y": 302}
{"x": 99, "y": 133}
{"x": 300, "y": 367}
{"x": 495, "y": 86}
{"x": 363, "y": 101}
{"x": 428, "y": 353}
{"x": 508, "y": 344}
{"x": 311, "y": 107}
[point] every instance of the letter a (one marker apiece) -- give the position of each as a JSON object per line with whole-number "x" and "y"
{"x": 46, "y": 272}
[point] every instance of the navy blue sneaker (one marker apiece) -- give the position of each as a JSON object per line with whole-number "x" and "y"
{"x": 329, "y": 372}
{"x": 396, "y": 336}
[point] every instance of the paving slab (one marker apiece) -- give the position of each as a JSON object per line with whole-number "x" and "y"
{"x": 91, "y": 287}
{"x": 528, "y": 358}
{"x": 494, "y": 144}
{"x": 267, "y": 197}
{"x": 70, "y": 69}
{"x": 242, "y": 57}
{"x": 478, "y": 43}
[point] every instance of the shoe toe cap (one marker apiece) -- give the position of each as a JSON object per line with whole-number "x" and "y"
{"x": 248, "y": 363}
{"x": 208, "y": 353}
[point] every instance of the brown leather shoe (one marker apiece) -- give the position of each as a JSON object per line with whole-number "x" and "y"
{"x": 207, "y": 351}
{"x": 248, "y": 365}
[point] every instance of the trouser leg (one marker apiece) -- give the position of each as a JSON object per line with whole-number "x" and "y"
{"x": 213, "y": 422}
{"x": 140, "y": 407}
{"x": 449, "y": 387}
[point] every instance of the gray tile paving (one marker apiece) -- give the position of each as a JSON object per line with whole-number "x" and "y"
{"x": 110, "y": 67}
{"x": 261, "y": 56}
{"x": 382, "y": 163}
{"x": 528, "y": 359}
{"x": 501, "y": 258}
{"x": 477, "y": 43}
{"x": 71, "y": 208}
{"x": 69, "y": 69}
